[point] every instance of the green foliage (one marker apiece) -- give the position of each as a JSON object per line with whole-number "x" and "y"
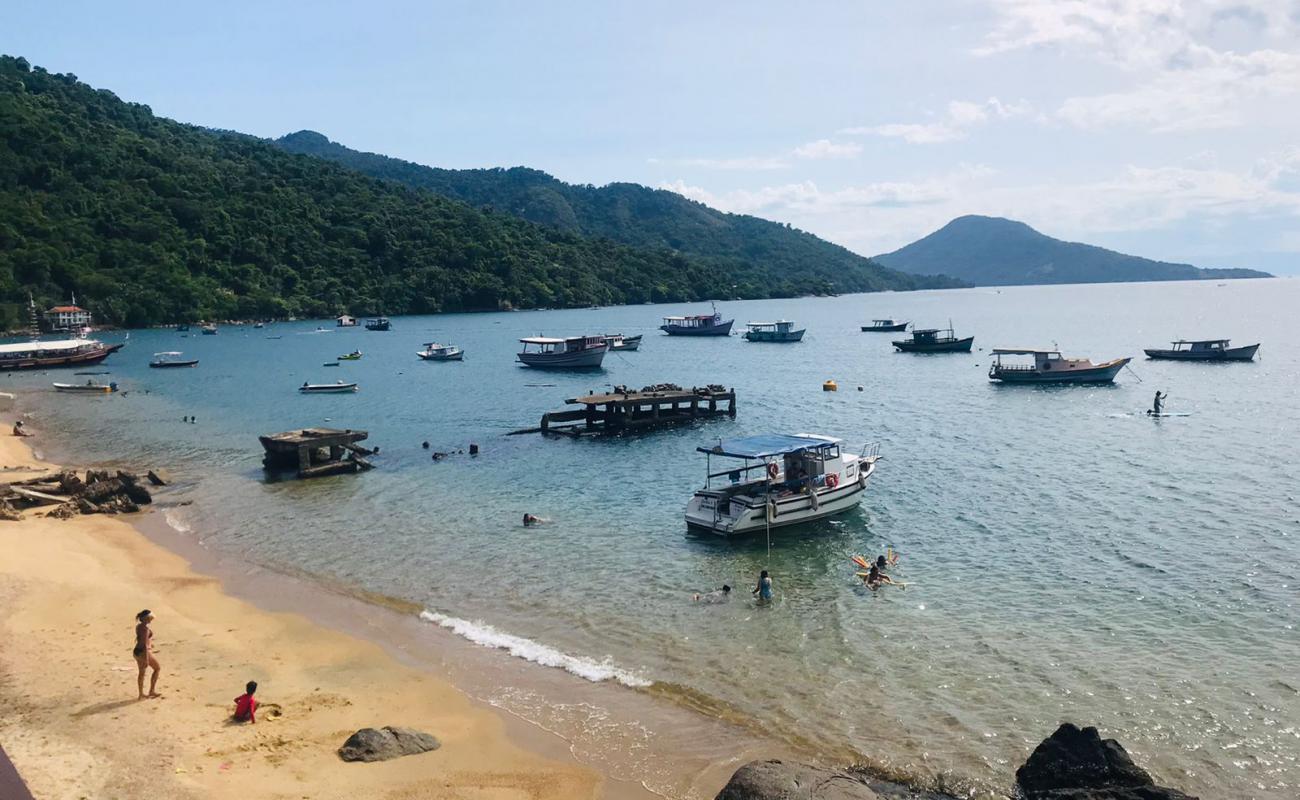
{"x": 992, "y": 251}
{"x": 148, "y": 221}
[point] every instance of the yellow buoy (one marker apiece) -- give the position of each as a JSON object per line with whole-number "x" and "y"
{"x": 829, "y": 386}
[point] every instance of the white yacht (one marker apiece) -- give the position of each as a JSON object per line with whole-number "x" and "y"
{"x": 784, "y": 480}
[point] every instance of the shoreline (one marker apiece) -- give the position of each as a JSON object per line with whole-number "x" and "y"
{"x": 619, "y": 755}
{"x": 75, "y": 727}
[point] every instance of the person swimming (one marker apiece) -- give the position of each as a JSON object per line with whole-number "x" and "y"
{"x": 764, "y": 588}
{"x": 716, "y": 596}
{"x": 875, "y": 576}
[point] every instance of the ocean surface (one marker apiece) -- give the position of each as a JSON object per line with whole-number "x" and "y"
{"x": 1068, "y": 558}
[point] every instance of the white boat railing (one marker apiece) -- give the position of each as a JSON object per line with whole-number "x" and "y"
{"x": 871, "y": 450}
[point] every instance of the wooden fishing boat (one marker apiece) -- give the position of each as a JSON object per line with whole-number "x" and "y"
{"x": 885, "y": 326}
{"x": 1048, "y": 366}
{"x": 172, "y": 359}
{"x": 698, "y": 325}
{"x": 89, "y": 387}
{"x": 618, "y": 341}
{"x": 780, "y": 331}
{"x": 440, "y": 352}
{"x": 934, "y": 340}
{"x": 54, "y": 353}
{"x": 1205, "y": 350}
{"x": 577, "y": 352}
{"x": 378, "y": 324}
{"x": 327, "y": 388}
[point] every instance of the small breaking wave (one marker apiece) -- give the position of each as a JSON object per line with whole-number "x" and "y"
{"x": 175, "y": 520}
{"x": 483, "y": 634}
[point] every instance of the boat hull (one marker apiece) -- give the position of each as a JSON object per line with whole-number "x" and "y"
{"x": 901, "y": 326}
{"x": 84, "y": 388}
{"x": 584, "y": 359}
{"x": 342, "y": 388}
{"x": 1101, "y": 373}
{"x": 173, "y": 364}
{"x": 790, "y": 511}
{"x": 723, "y": 329}
{"x": 771, "y": 336}
{"x": 1246, "y": 353}
{"x": 71, "y": 360}
{"x": 451, "y": 357}
{"x": 957, "y": 346}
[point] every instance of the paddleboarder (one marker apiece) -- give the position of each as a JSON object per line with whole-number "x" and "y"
{"x": 1158, "y": 405}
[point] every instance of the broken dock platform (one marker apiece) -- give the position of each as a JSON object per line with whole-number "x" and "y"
{"x": 623, "y": 410}
{"x": 316, "y": 451}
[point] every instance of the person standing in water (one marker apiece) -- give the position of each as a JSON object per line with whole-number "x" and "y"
{"x": 143, "y": 653}
{"x": 764, "y": 588}
{"x": 1158, "y": 405}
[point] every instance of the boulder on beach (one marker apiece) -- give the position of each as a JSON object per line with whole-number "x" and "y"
{"x": 371, "y": 744}
{"x": 785, "y": 780}
{"x": 1077, "y": 764}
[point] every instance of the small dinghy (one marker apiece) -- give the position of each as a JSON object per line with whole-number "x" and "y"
{"x": 355, "y": 355}
{"x": 89, "y": 387}
{"x": 327, "y": 388}
{"x": 172, "y": 359}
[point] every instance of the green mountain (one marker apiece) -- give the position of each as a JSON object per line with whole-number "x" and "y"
{"x": 991, "y": 251}
{"x": 634, "y": 215}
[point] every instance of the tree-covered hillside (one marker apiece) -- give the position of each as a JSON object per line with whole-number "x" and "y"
{"x": 631, "y": 214}
{"x": 148, "y": 220}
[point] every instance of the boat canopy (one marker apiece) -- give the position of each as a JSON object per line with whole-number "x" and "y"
{"x": 1012, "y": 351}
{"x": 170, "y": 353}
{"x": 57, "y": 344}
{"x": 1223, "y": 342}
{"x": 769, "y": 444}
{"x": 542, "y": 340}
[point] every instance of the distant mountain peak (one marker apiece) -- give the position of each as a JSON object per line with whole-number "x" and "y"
{"x": 995, "y": 251}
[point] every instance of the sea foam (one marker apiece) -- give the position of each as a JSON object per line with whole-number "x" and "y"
{"x": 536, "y": 652}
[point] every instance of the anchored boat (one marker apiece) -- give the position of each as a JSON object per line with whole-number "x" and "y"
{"x": 440, "y": 352}
{"x": 1048, "y": 366}
{"x": 618, "y": 341}
{"x": 782, "y": 480}
{"x": 172, "y": 359}
{"x": 355, "y": 355}
{"x": 577, "y": 352}
{"x": 1205, "y": 350}
{"x": 780, "y": 331}
{"x": 378, "y": 324}
{"x": 327, "y": 388}
{"x": 87, "y": 387}
{"x": 935, "y": 340}
{"x": 885, "y": 326}
{"x": 54, "y": 353}
{"x": 209, "y": 330}
{"x": 698, "y": 325}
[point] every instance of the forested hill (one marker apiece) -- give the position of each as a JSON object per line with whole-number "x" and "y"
{"x": 631, "y": 214}
{"x": 148, "y": 220}
{"x": 992, "y": 251}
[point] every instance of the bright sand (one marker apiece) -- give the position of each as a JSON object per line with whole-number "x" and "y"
{"x": 72, "y": 725}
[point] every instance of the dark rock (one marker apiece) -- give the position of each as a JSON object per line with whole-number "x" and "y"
{"x": 137, "y": 493}
{"x": 158, "y": 477}
{"x": 86, "y": 507}
{"x": 100, "y": 490}
{"x": 369, "y": 744}
{"x": 65, "y": 511}
{"x": 1077, "y": 764}
{"x": 70, "y": 483}
{"x": 785, "y": 780}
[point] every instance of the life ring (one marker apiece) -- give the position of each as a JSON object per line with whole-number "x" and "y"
{"x": 772, "y": 471}
{"x": 832, "y": 480}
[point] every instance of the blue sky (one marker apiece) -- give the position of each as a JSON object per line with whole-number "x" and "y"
{"x": 1164, "y": 128}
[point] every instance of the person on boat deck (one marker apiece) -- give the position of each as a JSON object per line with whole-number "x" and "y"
{"x": 246, "y": 706}
{"x": 1159, "y": 404}
{"x": 764, "y": 588}
{"x": 875, "y": 577}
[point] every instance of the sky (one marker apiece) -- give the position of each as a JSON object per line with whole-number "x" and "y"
{"x": 1164, "y": 128}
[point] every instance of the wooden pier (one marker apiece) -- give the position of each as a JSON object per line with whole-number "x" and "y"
{"x": 622, "y": 410}
{"x": 316, "y": 451}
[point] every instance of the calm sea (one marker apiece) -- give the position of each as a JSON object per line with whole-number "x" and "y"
{"x": 1068, "y": 557}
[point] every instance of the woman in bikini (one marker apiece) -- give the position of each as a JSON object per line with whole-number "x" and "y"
{"x": 143, "y": 653}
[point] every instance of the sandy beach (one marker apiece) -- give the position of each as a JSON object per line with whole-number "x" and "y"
{"x": 74, "y": 728}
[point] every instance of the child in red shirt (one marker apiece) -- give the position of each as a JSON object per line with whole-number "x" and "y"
{"x": 245, "y": 705}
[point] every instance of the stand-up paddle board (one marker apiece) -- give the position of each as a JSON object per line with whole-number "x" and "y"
{"x": 1169, "y": 414}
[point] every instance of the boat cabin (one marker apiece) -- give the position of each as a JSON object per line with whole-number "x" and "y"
{"x": 781, "y": 326}
{"x": 695, "y": 321}
{"x": 551, "y": 346}
{"x": 1201, "y": 345}
{"x": 788, "y": 462}
{"x": 1037, "y": 360}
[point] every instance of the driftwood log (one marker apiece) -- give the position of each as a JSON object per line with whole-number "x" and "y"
{"x": 99, "y": 492}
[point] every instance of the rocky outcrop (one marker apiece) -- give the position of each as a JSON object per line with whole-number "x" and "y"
{"x": 1072, "y": 764}
{"x": 1077, "y": 764}
{"x": 100, "y": 492}
{"x": 371, "y": 744}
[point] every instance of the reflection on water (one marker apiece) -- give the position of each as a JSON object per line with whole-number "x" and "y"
{"x": 1067, "y": 557}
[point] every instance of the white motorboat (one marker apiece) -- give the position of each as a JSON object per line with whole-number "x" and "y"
{"x": 784, "y": 480}
{"x": 618, "y": 341}
{"x": 440, "y": 352}
{"x": 575, "y": 352}
{"x": 327, "y": 388}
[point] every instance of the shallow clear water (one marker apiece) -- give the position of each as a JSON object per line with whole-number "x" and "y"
{"x": 1069, "y": 558}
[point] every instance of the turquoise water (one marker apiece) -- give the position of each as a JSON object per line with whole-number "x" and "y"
{"x": 1069, "y": 558}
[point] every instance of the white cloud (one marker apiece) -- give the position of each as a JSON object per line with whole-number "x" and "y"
{"x": 958, "y": 118}
{"x": 1193, "y": 64}
{"x": 825, "y": 148}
